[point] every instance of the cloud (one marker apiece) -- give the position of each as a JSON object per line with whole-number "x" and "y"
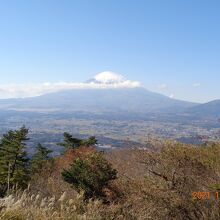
{"x": 105, "y": 80}
{"x": 196, "y": 84}
{"x": 109, "y": 77}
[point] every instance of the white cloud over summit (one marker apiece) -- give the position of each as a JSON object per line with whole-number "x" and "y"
{"x": 110, "y": 77}
{"x": 104, "y": 80}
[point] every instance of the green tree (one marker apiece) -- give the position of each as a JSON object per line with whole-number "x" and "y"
{"x": 91, "y": 141}
{"x": 40, "y": 157}
{"x": 14, "y": 163}
{"x": 69, "y": 141}
{"x": 91, "y": 174}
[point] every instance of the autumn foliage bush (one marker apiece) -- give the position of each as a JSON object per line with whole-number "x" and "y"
{"x": 149, "y": 185}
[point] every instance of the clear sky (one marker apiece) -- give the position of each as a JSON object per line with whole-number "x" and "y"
{"x": 170, "y": 46}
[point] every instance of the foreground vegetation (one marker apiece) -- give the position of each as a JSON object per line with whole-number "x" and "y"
{"x": 170, "y": 181}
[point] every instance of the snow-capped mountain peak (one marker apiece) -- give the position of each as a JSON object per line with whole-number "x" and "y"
{"x": 108, "y": 77}
{"x": 103, "y": 80}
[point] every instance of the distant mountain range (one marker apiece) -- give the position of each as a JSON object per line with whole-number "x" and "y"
{"x": 128, "y": 100}
{"x": 207, "y": 110}
{"x": 119, "y": 112}
{"x": 108, "y": 93}
{"x": 112, "y": 114}
{"x": 133, "y": 100}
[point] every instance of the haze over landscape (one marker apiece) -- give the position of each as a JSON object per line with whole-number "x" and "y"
{"x": 109, "y": 110}
{"x": 130, "y": 72}
{"x": 126, "y": 76}
{"x": 110, "y": 107}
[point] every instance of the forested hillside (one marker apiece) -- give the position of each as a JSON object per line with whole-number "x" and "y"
{"x": 169, "y": 181}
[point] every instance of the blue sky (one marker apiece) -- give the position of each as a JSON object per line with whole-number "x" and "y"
{"x": 171, "y": 46}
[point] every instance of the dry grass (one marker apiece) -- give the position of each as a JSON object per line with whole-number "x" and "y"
{"x": 26, "y": 206}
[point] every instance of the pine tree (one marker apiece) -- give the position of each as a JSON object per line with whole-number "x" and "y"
{"x": 14, "y": 163}
{"x": 70, "y": 142}
{"x": 91, "y": 174}
{"x": 40, "y": 157}
{"x": 91, "y": 141}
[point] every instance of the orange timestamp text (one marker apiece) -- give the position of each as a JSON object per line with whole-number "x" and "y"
{"x": 205, "y": 195}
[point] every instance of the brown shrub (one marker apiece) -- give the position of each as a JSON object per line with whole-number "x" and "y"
{"x": 49, "y": 181}
{"x": 152, "y": 184}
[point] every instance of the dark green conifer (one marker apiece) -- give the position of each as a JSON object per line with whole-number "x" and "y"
{"x": 91, "y": 141}
{"x": 90, "y": 174}
{"x": 40, "y": 157}
{"x": 70, "y": 142}
{"x": 14, "y": 163}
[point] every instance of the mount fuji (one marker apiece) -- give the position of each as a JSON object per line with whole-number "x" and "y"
{"x": 106, "y": 92}
{"x": 108, "y": 106}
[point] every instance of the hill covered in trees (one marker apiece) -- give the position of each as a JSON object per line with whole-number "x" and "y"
{"x": 169, "y": 181}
